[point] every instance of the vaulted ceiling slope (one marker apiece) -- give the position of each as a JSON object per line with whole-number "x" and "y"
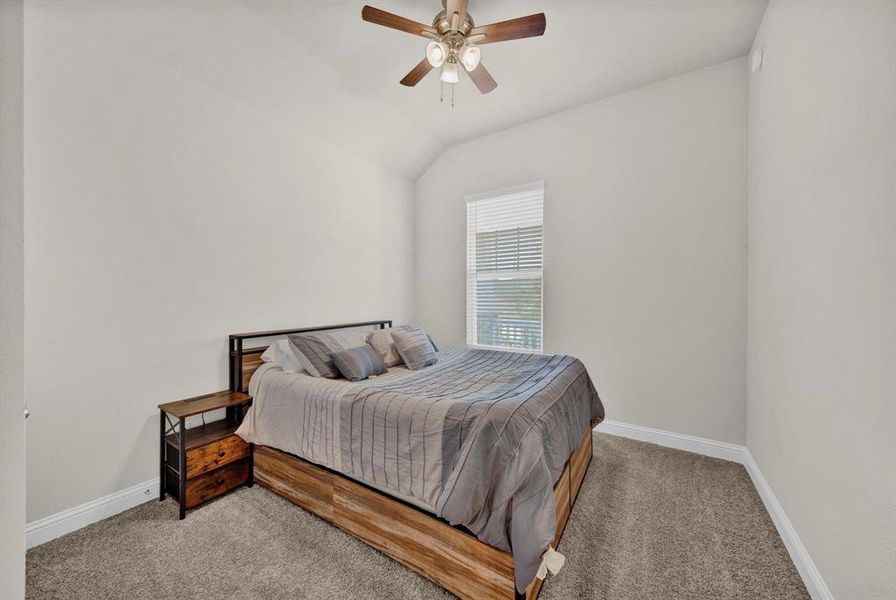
{"x": 318, "y": 67}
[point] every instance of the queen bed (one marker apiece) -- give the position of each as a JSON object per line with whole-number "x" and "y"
{"x": 464, "y": 471}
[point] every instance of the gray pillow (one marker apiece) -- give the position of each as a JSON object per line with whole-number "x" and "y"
{"x": 415, "y": 348}
{"x": 314, "y": 349}
{"x": 359, "y": 363}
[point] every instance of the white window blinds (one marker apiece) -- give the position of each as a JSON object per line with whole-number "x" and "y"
{"x": 504, "y": 268}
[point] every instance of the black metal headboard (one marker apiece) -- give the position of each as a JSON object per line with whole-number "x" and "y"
{"x": 239, "y": 356}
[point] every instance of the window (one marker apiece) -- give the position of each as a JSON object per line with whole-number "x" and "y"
{"x": 504, "y": 268}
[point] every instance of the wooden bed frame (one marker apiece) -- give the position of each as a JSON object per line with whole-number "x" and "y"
{"x": 448, "y": 555}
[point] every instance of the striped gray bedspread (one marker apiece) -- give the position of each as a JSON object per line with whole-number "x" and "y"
{"x": 478, "y": 439}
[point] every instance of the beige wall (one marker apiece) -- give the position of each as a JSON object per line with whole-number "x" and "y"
{"x": 822, "y": 283}
{"x": 645, "y": 257}
{"x": 12, "y": 426}
{"x": 161, "y": 215}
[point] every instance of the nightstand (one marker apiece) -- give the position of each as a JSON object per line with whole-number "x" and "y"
{"x": 201, "y": 463}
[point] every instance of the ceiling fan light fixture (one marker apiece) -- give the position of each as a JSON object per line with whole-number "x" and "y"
{"x": 470, "y": 57}
{"x": 436, "y": 52}
{"x": 449, "y": 73}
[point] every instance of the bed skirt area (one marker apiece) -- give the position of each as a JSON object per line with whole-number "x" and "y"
{"x": 449, "y": 556}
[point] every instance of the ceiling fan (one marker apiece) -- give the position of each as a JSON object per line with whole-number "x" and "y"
{"x": 456, "y": 39}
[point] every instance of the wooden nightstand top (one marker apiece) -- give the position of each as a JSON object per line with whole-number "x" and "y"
{"x": 200, "y": 404}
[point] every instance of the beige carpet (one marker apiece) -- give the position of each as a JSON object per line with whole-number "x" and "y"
{"x": 649, "y": 523}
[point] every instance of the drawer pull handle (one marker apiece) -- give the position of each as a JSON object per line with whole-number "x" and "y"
{"x": 219, "y": 480}
{"x": 221, "y": 453}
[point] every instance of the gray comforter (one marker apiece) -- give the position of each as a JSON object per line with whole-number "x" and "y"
{"x": 478, "y": 439}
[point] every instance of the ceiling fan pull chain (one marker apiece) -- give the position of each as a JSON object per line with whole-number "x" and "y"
{"x": 452, "y": 95}
{"x": 441, "y": 92}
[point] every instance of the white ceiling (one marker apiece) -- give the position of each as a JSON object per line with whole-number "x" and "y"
{"x": 590, "y": 50}
{"x": 317, "y": 66}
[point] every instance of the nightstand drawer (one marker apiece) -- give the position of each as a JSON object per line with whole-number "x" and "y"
{"x": 214, "y": 483}
{"x": 216, "y": 454}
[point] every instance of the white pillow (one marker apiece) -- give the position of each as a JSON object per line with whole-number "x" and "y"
{"x": 281, "y": 354}
{"x": 350, "y": 338}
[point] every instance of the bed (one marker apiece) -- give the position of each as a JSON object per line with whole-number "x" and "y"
{"x": 464, "y": 471}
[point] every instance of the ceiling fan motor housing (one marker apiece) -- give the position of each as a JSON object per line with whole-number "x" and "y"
{"x": 442, "y": 24}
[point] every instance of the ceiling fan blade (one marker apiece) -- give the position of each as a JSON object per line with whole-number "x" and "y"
{"x": 514, "y": 29}
{"x": 417, "y": 73}
{"x": 387, "y": 19}
{"x": 483, "y": 79}
{"x": 459, "y": 7}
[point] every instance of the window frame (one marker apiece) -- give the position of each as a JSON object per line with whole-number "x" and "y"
{"x": 534, "y": 186}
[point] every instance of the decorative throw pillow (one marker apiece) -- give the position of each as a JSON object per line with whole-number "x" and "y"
{"x": 314, "y": 350}
{"x": 281, "y": 354}
{"x": 359, "y": 363}
{"x": 381, "y": 341}
{"x": 415, "y": 348}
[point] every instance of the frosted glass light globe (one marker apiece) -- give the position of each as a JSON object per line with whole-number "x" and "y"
{"x": 449, "y": 73}
{"x": 470, "y": 56}
{"x": 436, "y": 53}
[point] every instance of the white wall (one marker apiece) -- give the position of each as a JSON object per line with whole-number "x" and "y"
{"x": 12, "y": 315}
{"x": 822, "y": 283}
{"x": 645, "y": 257}
{"x": 161, "y": 215}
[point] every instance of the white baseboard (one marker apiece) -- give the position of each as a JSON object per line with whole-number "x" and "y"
{"x": 812, "y": 579}
{"x": 679, "y": 441}
{"x": 54, "y": 526}
{"x": 815, "y": 584}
